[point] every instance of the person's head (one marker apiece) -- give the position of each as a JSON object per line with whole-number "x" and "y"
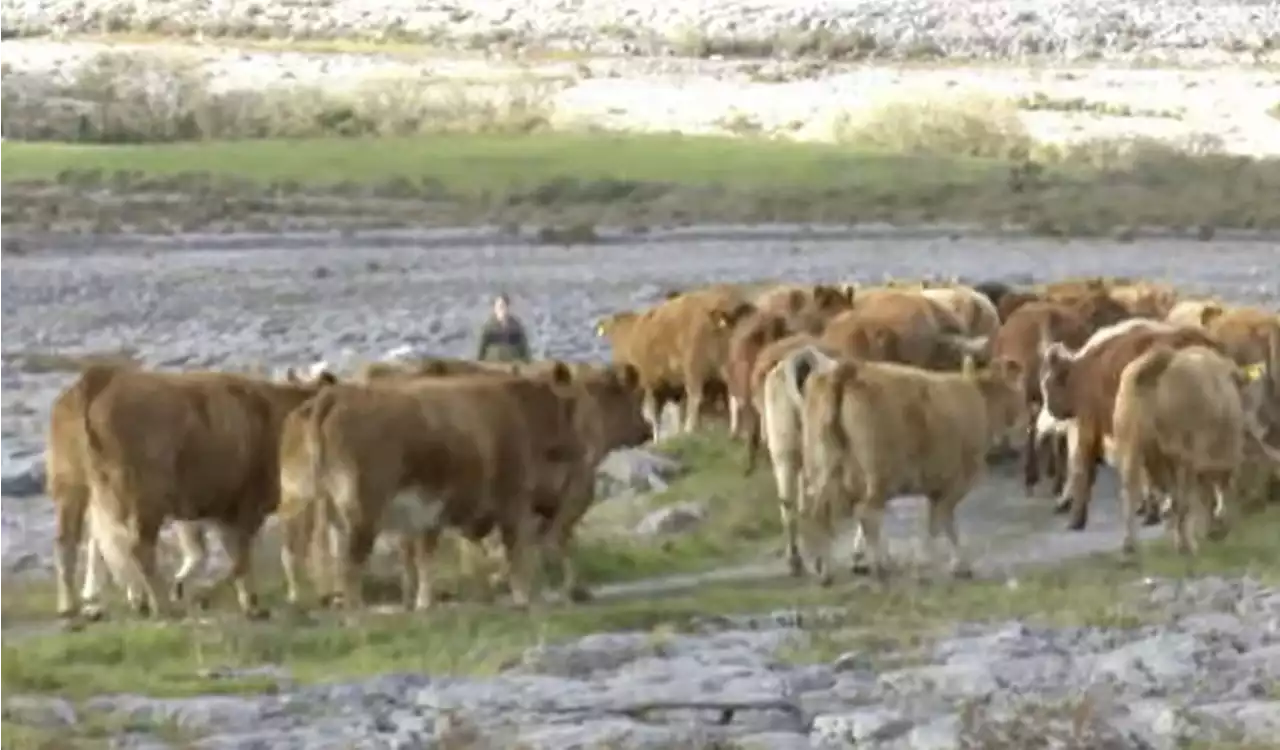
{"x": 501, "y": 303}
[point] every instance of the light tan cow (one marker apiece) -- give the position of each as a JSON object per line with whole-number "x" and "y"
{"x": 1179, "y": 425}
{"x": 873, "y": 431}
{"x": 780, "y": 402}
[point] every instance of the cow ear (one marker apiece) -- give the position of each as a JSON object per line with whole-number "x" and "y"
{"x": 291, "y": 376}
{"x": 560, "y": 373}
{"x": 631, "y": 376}
{"x": 326, "y": 378}
{"x": 1210, "y": 313}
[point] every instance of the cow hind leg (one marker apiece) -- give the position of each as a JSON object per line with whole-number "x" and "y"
{"x": 191, "y": 543}
{"x": 944, "y": 507}
{"x": 238, "y": 539}
{"x": 518, "y": 538}
{"x": 424, "y": 550}
{"x": 787, "y": 475}
{"x": 870, "y": 514}
{"x": 69, "y": 519}
{"x": 735, "y": 416}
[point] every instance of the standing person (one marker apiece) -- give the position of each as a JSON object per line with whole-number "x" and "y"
{"x": 502, "y": 337}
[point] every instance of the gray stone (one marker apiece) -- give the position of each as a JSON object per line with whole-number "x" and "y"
{"x": 636, "y": 471}
{"x": 864, "y": 726}
{"x": 22, "y": 474}
{"x": 39, "y": 712}
{"x": 672, "y": 519}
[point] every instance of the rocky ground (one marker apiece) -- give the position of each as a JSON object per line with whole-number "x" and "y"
{"x": 1208, "y": 671}
{"x": 918, "y": 29}
{"x": 1228, "y": 108}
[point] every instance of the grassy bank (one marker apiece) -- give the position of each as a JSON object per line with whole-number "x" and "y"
{"x": 470, "y": 638}
{"x": 473, "y": 638}
{"x": 590, "y": 179}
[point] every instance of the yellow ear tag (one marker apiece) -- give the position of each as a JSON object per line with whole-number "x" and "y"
{"x": 1253, "y": 372}
{"x": 600, "y": 330}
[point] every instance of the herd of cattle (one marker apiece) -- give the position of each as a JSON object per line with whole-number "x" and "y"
{"x": 858, "y": 394}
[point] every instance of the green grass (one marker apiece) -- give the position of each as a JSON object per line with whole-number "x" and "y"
{"x": 468, "y": 638}
{"x": 634, "y": 180}
{"x": 171, "y": 659}
{"x": 741, "y": 523}
{"x": 478, "y": 163}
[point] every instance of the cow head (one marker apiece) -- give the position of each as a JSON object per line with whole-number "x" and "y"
{"x": 618, "y": 396}
{"x": 1260, "y": 395}
{"x": 607, "y": 325}
{"x": 1003, "y": 387}
{"x": 1209, "y": 313}
{"x": 1055, "y": 370}
{"x": 830, "y": 299}
{"x": 727, "y": 319}
{"x": 317, "y": 377}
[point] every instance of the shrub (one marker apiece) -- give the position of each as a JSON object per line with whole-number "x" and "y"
{"x": 118, "y": 97}
{"x": 976, "y": 126}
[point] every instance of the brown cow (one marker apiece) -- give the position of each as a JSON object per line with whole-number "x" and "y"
{"x": 1242, "y": 331}
{"x": 420, "y": 455}
{"x": 607, "y": 417}
{"x": 808, "y": 307}
{"x": 781, "y": 312}
{"x": 749, "y": 339}
{"x": 1179, "y": 430}
{"x": 679, "y": 347}
{"x": 905, "y": 328}
{"x": 1020, "y": 339}
{"x": 974, "y": 311}
{"x": 1145, "y": 299}
{"x": 873, "y": 431}
{"x": 68, "y": 485}
{"x": 1010, "y": 303}
{"x": 156, "y": 445}
{"x": 430, "y": 366}
{"x": 1081, "y": 386}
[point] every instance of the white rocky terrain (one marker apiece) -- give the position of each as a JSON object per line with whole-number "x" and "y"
{"x": 1207, "y": 670}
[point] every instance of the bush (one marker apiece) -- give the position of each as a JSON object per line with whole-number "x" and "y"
{"x": 135, "y": 98}
{"x": 976, "y": 126}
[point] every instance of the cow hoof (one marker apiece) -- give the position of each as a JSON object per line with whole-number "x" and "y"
{"x": 330, "y": 601}
{"x": 1062, "y": 505}
{"x": 795, "y": 566}
{"x": 143, "y": 609}
{"x": 825, "y": 580}
{"x": 962, "y": 573}
{"x": 861, "y": 568}
{"x": 1217, "y": 532}
{"x": 68, "y": 613}
{"x": 1078, "y": 522}
{"x": 579, "y": 594}
{"x": 257, "y": 614}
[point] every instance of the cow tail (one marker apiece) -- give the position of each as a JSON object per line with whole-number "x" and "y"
{"x": 799, "y": 368}
{"x": 842, "y": 377}
{"x": 93, "y": 381}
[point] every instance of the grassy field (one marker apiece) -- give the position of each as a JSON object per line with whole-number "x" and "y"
{"x": 592, "y": 179}
{"x": 475, "y": 638}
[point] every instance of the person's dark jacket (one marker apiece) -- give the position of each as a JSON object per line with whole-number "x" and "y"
{"x": 503, "y": 341}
